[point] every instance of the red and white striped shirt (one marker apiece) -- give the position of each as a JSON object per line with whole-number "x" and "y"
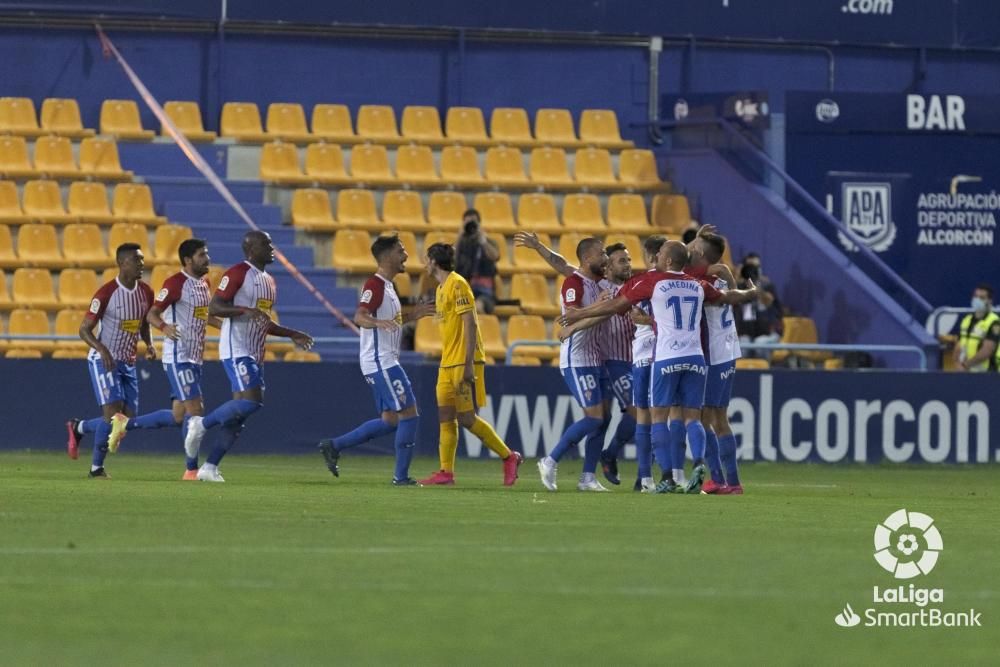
{"x": 582, "y": 349}
{"x": 617, "y": 331}
{"x": 120, "y": 313}
{"x": 184, "y": 302}
{"x": 247, "y": 286}
{"x": 380, "y": 349}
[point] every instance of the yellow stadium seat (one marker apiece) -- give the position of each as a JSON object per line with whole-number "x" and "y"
{"x": 84, "y": 247}
{"x": 356, "y": 209}
{"x": 109, "y": 274}
{"x": 533, "y": 292}
{"x": 422, "y": 124}
{"x": 120, "y": 118}
{"x": 466, "y": 125}
{"x": 526, "y": 259}
{"x": 352, "y": 251}
{"x": 504, "y": 264}
{"x": 567, "y": 245}
{"x": 750, "y": 363}
{"x": 460, "y": 165}
{"x": 167, "y": 241}
{"x": 489, "y": 328}
{"x": 62, "y": 116}
{"x": 54, "y": 157}
{"x": 427, "y": 340}
{"x": 6, "y": 303}
{"x": 496, "y": 212}
{"x": 63, "y": 353}
{"x": 287, "y": 122}
{"x": 17, "y": 116}
{"x": 10, "y": 205}
{"x": 801, "y": 330}
{"x": 8, "y": 260}
{"x": 325, "y": 164}
{"x": 68, "y": 321}
{"x": 592, "y": 167}
{"x": 537, "y": 212}
{"x": 332, "y": 121}
{"x": 637, "y": 168}
{"x": 438, "y": 237}
{"x": 415, "y": 264}
{"x": 14, "y": 162}
{"x": 582, "y": 213}
{"x": 554, "y": 127}
{"x": 241, "y": 120}
{"x": 43, "y": 202}
{"x": 30, "y": 322}
{"x": 632, "y": 244}
{"x": 505, "y": 166}
{"x": 415, "y": 165}
{"x": 671, "y": 213}
{"x": 530, "y": 327}
{"x": 521, "y": 360}
{"x": 510, "y": 125}
{"x": 187, "y": 117}
{"x": 161, "y": 272}
{"x": 311, "y": 210}
{"x": 279, "y": 163}
{"x": 599, "y": 127}
{"x": 134, "y": 202}
{"x": 370, "y": 164}
{"x": 548, "y": 167}
{"x": 445, "y": 209}
{"x": 99, "y": 158}
{"x": 128, "y": 232}
{"x": 38, "y": 245}
{"x": 404, "y": 285}
{"x": 377, "y": 122}
{"x": 403, "y": 209}
{"x": 88, "y": 202}
{"x": 214, "y": 276}
{"x": 628, "y": 212}
{"x": 302, "y": 356}
{"x": 77, "y": 287}
{"x": 33, "y": 288}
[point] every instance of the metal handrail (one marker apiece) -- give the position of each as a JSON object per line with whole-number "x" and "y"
{"x": 810, "y": 201}
{"x": 934, "y": 319}
{"x": 822, "y": 347}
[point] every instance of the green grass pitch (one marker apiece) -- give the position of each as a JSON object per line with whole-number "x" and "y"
{"x": 283, "y": 564}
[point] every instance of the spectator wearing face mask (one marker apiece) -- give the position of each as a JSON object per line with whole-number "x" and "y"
{"x": 979, "y": 334}
{"x": 758, "y": 321}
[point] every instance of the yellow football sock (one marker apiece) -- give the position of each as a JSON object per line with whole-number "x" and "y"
{"x": 482, "y": 430}
{"x": 448, "y": 445}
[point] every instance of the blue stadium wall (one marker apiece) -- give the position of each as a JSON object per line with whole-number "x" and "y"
{"x": 829, "y": 417}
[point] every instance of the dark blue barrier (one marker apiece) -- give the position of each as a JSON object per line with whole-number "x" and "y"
{"x": 777, "y": 416}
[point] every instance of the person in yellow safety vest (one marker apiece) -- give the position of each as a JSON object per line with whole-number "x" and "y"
{"x": 978, "y": 348}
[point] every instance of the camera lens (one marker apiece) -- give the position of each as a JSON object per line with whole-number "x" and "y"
{"x": 471, "y": 227}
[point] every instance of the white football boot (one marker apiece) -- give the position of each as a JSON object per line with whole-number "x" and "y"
{"x": 547, "y": 468}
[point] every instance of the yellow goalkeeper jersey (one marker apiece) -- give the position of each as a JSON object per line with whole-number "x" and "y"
{"x": 453, "y": 299}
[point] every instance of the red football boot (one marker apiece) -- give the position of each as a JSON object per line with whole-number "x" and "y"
{"x": 710, "y": 487}
{"x": 73, "y": 441}
{"x": 441, "y": 477}
{"x": 732, "y": 490}
{"x": 510, "y": 465}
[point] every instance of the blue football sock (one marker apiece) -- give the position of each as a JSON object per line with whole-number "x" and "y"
{"x": 406, "y": 438}
{"x": 101, "y": 443}
{"x": 158, "y": 419}
{"x": 623, "y": 434}
{"x": 230, "y": 410}
{"x": 659, "y": 434}
{"x": 677, "y": 445}
{"x": 594, "y": 445}
{"x": 189, "y": 463}
{"x": 371, "y": 429}
{"x": 643, "y": 450}
{"x": 90, "y": 425}
{"x": 228, "y": 434}
{"x": 712, "y": 456}
{"x": 727, "y": 451}
{"x": 574, "y": 434}
{"x": 696, "y": 436}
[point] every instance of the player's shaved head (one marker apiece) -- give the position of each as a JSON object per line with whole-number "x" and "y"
{"x": 254, "y": 238}
{"x": 587, "y": 247}
{"x": 673, "y": 256}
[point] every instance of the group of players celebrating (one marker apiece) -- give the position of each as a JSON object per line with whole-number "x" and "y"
{"x": 122, "y": 312}
{"x": 660, "y": 343}
{"x": 634, "y": 339}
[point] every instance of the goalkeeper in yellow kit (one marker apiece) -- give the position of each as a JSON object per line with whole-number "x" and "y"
{"x": 460, "y": 387}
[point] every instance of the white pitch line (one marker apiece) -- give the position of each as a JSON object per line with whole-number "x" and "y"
{"x": 373, "y": 550}
{"x": 795, "y": 486}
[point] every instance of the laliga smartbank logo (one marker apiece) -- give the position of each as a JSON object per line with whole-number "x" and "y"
{"x": 907, "y": 545}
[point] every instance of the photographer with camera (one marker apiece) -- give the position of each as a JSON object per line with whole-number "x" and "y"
{"x": 476, "y": 258}
{"x": 758, "y": 321}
